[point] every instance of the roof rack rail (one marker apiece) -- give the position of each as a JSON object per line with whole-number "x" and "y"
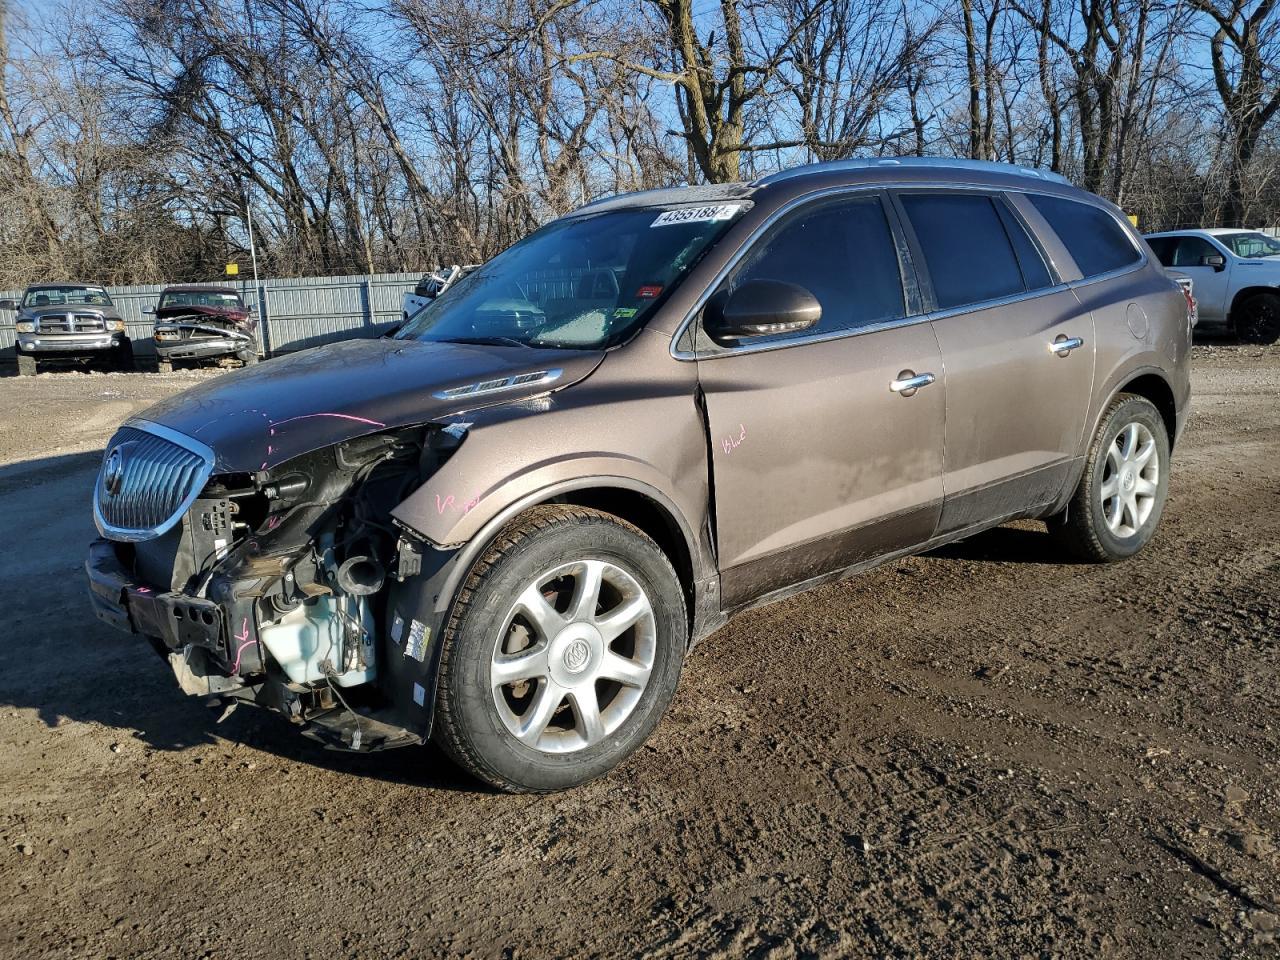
{"x": 951, "y": 163}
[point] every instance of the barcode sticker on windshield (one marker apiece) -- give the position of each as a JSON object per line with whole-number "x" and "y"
{"x": 721, "y": 211}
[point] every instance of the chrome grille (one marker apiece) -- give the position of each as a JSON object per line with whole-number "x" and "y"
{"x": 71, "y": 323}
{"x": 150, "y": 475}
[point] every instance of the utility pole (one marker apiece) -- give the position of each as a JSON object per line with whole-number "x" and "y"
{"x": 258, "y": 293}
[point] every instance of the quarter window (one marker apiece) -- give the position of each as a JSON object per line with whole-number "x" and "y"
{"x": 965, "y": 247}
{"x": 840, "y": 251}
{"x": 1095, "y": 241}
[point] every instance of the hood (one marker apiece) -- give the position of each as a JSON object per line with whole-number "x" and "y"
{"x": 263, "y": 415}
{"x": 177, "y": 310}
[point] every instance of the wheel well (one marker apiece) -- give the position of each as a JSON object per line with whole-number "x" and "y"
{"x": 1244, "y": 294}
{"x": 1154, "y": 388}
{"x": 649, "y": 516}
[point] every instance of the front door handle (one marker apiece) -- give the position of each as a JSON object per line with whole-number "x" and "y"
{"x": 1063, "y": 345}
{"x": 909, "y": 382}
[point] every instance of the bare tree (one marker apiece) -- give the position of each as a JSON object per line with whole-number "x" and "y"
{"x": 1245, "y": 52}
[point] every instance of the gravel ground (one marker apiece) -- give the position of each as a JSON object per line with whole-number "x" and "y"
{"x": 977, "y": 752}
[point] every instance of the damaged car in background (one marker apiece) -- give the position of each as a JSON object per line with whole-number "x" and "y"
{"x": 196, "y": 323}
{"x": 504, "y": 526}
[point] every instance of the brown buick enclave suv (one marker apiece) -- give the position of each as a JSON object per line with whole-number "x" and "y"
{"x": 505, "y": 525}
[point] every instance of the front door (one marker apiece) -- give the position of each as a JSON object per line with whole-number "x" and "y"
{"x": 1209, "y": 284}
{"x": 818, "y": 462}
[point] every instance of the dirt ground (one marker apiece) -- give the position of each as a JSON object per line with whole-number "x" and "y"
{"x": 980, "y": 752}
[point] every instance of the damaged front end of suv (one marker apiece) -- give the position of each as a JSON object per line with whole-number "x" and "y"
{"x": 272, "y": 585}
{"x": 251, "y": 538}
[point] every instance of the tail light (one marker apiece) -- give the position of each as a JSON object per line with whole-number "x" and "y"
{"x": 1193, "y": 308}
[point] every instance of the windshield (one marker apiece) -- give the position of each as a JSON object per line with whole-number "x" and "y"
{"x": 585, "y": 283}
{"x": 200, "y": 298}
{"x": 57, "y": 296}
{"x": 1251, "y": 245}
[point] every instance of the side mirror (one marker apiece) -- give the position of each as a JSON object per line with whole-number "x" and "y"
{"x": 8, "y": 304}
{"x": 1215, "y": 260}
{"x": 760, "y": 308}
{"x": 147, "y": 311}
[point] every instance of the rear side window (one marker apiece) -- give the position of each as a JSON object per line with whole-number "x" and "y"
{"x": 1163, "y": 248}
{"x": 965, "y": 247}
{"x": 840, "y": 251}
{"x": 1035, "y": 274}
{"x": 1093, "y": 238}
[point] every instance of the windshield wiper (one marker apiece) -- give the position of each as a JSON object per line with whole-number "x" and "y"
{"x": 487, "y": 341}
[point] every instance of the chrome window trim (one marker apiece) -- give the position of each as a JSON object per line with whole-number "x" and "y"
{"x": 912, "y": 320}
{"x": 483, "y": 388}
{"x": 130, "y": 535}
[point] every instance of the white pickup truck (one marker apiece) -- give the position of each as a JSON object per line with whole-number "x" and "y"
{"x": 1236, "y": 275}
{"x": 430, "y": 287}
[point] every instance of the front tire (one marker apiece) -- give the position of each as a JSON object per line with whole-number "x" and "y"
{"x": 562, "y": 651}
{"x": 26, "y": 365}
{"x": 1257, "y": 320}
{"x": 1121, "y": 495}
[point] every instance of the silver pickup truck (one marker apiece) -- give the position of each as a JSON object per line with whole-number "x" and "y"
{"x": 1236, "y": 275}
{"x": 68, "y": 321}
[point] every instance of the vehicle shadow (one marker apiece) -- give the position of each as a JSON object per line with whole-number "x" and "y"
{"x": 66, "y": 666}
{"x": 1006, "y": 545}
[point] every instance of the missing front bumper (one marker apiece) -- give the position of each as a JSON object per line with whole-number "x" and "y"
{"x": 194, "y": 635}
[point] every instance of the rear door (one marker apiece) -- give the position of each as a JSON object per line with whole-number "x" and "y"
{"x": 817, "y": 463}
{"x": 1017, "y": 348}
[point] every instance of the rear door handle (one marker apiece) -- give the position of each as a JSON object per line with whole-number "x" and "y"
{"x": 1063, "y": 345}
{"x": 909, "y": 382}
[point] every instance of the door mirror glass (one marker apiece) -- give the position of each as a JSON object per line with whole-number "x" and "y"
{"x": 1215, "y": 260}
{"x": 148, "y": 310}
{"x": 760, "y": 308}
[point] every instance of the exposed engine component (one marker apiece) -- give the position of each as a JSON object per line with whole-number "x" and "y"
{"x": 323, "y": 638}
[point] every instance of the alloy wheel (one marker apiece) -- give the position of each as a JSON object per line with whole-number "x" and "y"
{"x": 1130, "y": 480}
{"x": 574, "y": 656}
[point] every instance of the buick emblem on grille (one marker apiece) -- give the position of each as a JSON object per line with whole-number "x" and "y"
{"x": 113, "y": 472}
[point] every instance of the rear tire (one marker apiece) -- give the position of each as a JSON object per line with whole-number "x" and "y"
{"x": 26, "y": 365}
{"x": 1121, "y": 495}
{"x": 1257, "y": 320}
{"x": 541, "y": 606}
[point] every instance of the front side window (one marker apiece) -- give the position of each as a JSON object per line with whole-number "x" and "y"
{"x": 842, "y": 252}
{"x": 1096, "y": 242}
{"x": 586, "y": 282}
{"x": 60, "y": 296}
{"x": 966, "y": 249}
{"x": 1191, "y": 251}
{"x": 1251, "y": 245}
